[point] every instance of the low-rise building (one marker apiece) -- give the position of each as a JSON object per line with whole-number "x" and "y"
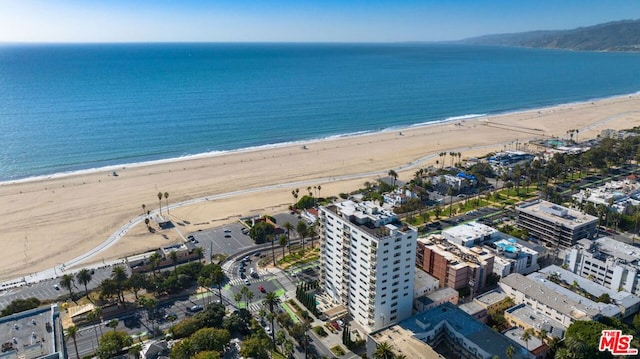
{"x": 525, "y": 317}
{"x": 493, "y": 300}
{"x": 436, "y": 298}
{"x": 475, "y": 310}
{"x": 447, "y": 331}
{"x": 470, "y": 234}
{"x": 513, "y": 257}
{"x": 424, "y": 283}
{"x": 627, "y": 302}
{"x": 552, "y": 300}
{"x": 35, "y": 333}
{"x": 455, "y": 266}
{"x": 555, "y": 225}
{"x": 615, "y": 195}
{"x": 608, "y": 262}
{"x": 533, "y": 343}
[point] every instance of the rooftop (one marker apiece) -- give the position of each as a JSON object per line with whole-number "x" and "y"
{"x": 465, "y": 325}
{"x": 404, "y": 343}
{"x": 493, "y": 297}
{"x": 558, "y": 214}
{"x": 471, "y": 308}
{"x": 537, "y": 320}
{"x": 621, "y": 298}
{"x": 609, "y": 247}
{"x": 538, "y": 291}
{"x": 515, "y": 334}
{"x": 457, "y": 255}
{"x": 33, "y": 333}
{"x": 369, "y": 217}
{"x": 470, "y": 230}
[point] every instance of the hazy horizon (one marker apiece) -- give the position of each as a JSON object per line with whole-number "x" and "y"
{"x": 288, "y": 21}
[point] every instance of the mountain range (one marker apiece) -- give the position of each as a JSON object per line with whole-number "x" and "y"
{"x": 612, "y": 36}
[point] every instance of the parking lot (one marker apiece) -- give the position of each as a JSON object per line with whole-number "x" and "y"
{"x": 222, "y": 240}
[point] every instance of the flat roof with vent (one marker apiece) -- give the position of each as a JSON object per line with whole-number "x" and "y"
{"x": 558, "y": 214}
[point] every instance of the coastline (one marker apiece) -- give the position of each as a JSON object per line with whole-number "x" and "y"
{"x": 189, "y": 157}
{"x": 49, "y": 221}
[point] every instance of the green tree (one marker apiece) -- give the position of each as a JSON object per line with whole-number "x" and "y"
{"x": 154, "y": 262}
{"x": 166, "y": 198}
{"x": 526, "y": 336}
{"x": 160, "y": 202}
{"x": 302, "y": 230}
{"x": 137, "y": 281}
{"x": 208, "y": 339}
{"x": 272, "y": 300}
{"x": 67, "y": 282}
{"x": 282, "y": 241}
{"x": 112, "y": 343}
{"x": 256, "y": 346}
{"x": 510, "y": 352}
{"x": 261, "y": 231}
{"x": 210, "y": 354}
{"x": 120, "y": 280}
{"x": 174, "y": 260}
{"x": 84, "y": 277}
{"x": 383, "y": 350}
{"x": 72, "y": 332}
{"x": 20, "y": 305}
{"x": 394, "y": 175}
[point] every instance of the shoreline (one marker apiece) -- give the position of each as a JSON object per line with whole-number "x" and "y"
{"x": 55, "y": 220}
{"x": 216, "y": 153}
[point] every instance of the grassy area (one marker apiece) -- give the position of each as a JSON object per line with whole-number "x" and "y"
{"x": 293, "y": 315}
{"x": 337, "y": 350}
{"x": 299, "y": 257}
{"x": 320, "y": 331}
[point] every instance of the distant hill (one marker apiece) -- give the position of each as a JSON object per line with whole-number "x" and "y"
{"x": 612, "y": 36}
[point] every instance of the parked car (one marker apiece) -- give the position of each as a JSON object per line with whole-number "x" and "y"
{"x": 196, "y": 308}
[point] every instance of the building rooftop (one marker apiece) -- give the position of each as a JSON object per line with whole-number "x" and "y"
{"x": 369, "y": 217}
{"x": 620, "y": 298}
{"x": 538, "y": 291}
{"x": 442, "y": 293}
{"x": 515, "y": 334}
{"x": 33, "y": 333}
{"x": 492, "y": 297}
{"x": 552, "y": 212}
{"x": 422, "y": 279}
{"x": 469, "y": 231}
{"x": 471, "y": 308}
{"x": 608, "y": 247}
{"x": 464, "y": 324}
{"x": 457, "y": 255}
{"x": 404, "y": 342}
{"x": 537, "y": 320}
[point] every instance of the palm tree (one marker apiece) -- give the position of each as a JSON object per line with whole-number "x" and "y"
{"x": 84, "y": 277}
{"x": 72, "y": 332}
{"x": 384, "y": 350}
{"x": 113, "y": 324}
{"x": 166, "y": 198}
{"x": 154, "y": 262}
{"x": 393, "y": 175}
{"x": 120, "y": 277}
{"x": 174, "y": 259}
{"x": 67, "y": 283}
{"x": 200, "y": 252}
{"x": 272, "y": 239}
{"x": 144, "y": 209}
{"x": 302, "y": 230}
{"x": 311, "y": 231}
{"x": 282, "y": 241}
{"x": 288, "y": 226}
{"x": 526, "y": 336}
{"x": 93, "y": 316}
{"x": 218, "y": 278}
{"x": 510, "y": 352}
{"x": 98, "y": 315}
{"x": 160, "y": 201}
{"x": 271, "y": 300}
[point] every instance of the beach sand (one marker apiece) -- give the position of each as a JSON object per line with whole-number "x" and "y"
{"x": 49, "y": 221}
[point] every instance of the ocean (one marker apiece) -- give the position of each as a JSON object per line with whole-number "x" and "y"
{"x": 76, "y": 107}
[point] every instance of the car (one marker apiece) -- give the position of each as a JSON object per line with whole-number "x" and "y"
{"x": 246, "y": 281}
{"x": 261, "y": 288}
{"x": 93, "y": 271}
{"x": 242, "y": 275}
{"x": 56, "y": 287}
{"x": 191, "y": 238}
{"x": 257, "y": 254}
{"x": 196, "y": 308}
{"x": 241, "y": 269}
{"x": 227, "y": 230}
{"x": 227, "y": 236}
{"x": 268, "y": 330}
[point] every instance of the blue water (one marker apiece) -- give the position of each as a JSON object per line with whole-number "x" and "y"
{"x": 72, "y": 107}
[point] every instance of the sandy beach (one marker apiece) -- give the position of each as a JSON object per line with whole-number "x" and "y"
{"x": 50, "y": 221}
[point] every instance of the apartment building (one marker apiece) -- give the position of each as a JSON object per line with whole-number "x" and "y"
{"x": 613, "y": 264}
{"x": 367, "y": 261}
{"x": 454, "y": 265}
{"x": 555, "y": 225}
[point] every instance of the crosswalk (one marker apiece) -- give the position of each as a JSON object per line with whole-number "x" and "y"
{"x": 263, "y": 275}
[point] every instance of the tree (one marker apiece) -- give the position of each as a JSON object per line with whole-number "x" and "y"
{"x": 149, "y": 304}
{"x": 160, "y": 202}
{"x": 120, "y": 278}
{"x": 510, "y": 352}
{"x": 112, "y": 343}
{"x": 67, "y": 283}
{"x": 166, "y": 198}
{"x": 113, "y": 324}
{"x": 20, "y": 305}
{"x": 383, "y": 350}
{"x": 218, "y": 278}
{"x": 137, "y": 281}
{"x": 271, "y": 300}
{"x": 84, "y": 277}
{"x": 526, "y": 336}
{"x": 72, "y": 332}
{"x": 200, "y": 252}
{"x": 93, "y": 316}
{"x": 393, "y": 175}
{"x": 261, "y": 231}
{"x": 208, "y": 339}
{"x": 302, "y": 230}
{"x": 255, "y": 347}
{"x": 282, "y": 241}
{"x": 173, "y": 255}
{"x": 154, "y": 262}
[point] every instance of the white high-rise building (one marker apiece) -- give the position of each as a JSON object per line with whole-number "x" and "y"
{"x": 367, "y": 258}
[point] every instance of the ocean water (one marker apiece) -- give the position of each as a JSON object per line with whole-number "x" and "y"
{"x": 73, "y": 107}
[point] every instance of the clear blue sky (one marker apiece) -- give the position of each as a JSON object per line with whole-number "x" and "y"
{"x": 294, "y": 20}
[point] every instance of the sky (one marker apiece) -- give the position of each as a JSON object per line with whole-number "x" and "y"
{"x": 294, "y": 20}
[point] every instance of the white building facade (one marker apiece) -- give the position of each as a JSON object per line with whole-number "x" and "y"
{"x": 367, "y": 257}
